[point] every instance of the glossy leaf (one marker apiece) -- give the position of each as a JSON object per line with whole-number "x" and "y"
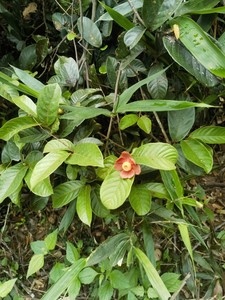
{"x": 140, "y": 200}
{"x": 83, "y": 207}
{"x": 11, "y": 179}
{"x": 156, "y": 155}
{"x": 133, "y": 36}
{"x": 209, "y": 134}
{"x": 201, "y": 46}
{"x": 70, "y": 274}
{"x": 26, "y": 104}
{"x": 89, "y": 31}
{"x": 158, "y": 12}
{"x": 198, "y": 153}
{"x": 6, "y": 287}
{"x": 158, "y": 105}
{"x": 152, "y": 275}
{"x": 57, "y": 145}
{"x": 185, "y": 59}
{"x": 46, "y": 166}
{"x": 127, "y": 121}
{"x": 115, "y": 190}
{"x": 48, "y": 104}
{"x": 158, "y": 86}
{"x": 42, "y": 189}
{"x": 145, "y": 124}
{"x": 180, "y": 123}
{"x": 13, "y": 126}
{"x": 66, "y": 192}
{"x": 86, "y": 154}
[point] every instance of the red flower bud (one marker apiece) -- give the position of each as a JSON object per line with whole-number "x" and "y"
{"x": 127, "y": 166}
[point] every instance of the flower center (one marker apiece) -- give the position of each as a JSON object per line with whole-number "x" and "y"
{"x": 126, "y": 166}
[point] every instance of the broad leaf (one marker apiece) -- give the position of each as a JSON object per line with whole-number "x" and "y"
{"x": 66, "y": 192}
{"x": 209, "y": 135}
{"x": 35, "y": 264}
{"x": 70, "y": 274}
{"x": 26, "y": 104}
{"x": 6, "y": 287}
{"x": 145, "y": 124}
{"x": 198, "y": 153}
{"x": 127, "y": 121}
{"x": 152, "y": 275}
{"x": 140, "y": 199}
{"x": 11, "y": 179}
{"x": 89, "y": 31}
{"x": 156, "y": 155}
{"x": 51, "y": 239}
{"x": 180, "y": 123}
{"x": 185, "y": 59}
{"x": 79, "y": 114}
{"x": 158, "y": 86}
{"x": 86, "y": 154}
{"x": 133, "y": 36}
{"x": 87, "y": 275}
{"x": 115, "y": 190}
{"x": 42, "y": 189}
{"x": 83, "y": 206}
{"x": 48, "y": 104}
{"x": 13, "y": 126}
{"x": 46, "y": 166}
{"x": 58, "y": 145}
{"x": 201, "y": 46}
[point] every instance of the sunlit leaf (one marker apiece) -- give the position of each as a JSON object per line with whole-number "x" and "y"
{"x": 209, "y": 134}
{"x": 35, "y": 264}
{"x": 26, "y": 104}
{"x": 83, "y": 207}
{"x": 6, "y": 287}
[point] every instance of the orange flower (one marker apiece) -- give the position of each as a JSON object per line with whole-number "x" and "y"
{"x": 127, "y": 166}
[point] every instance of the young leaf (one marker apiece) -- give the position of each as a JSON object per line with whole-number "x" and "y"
{"x": 115, "y": 190}
{"x": 145, "y": 124}
{"x": 70, "y": 274}
{"x": 72, "y": 254}
{"x": 35, "y": 264}
{"x": 11, "y": 179}
{"x": 209, "y": 135}
{"x": 46, "y": 166}
{"x": 51, "y": 239}
{"x": 198, "y": 153}
{"x": 152, "y": 275}
{"x": 140, "y": 200}
{"x": 86, "y": 154}
{"x": 66, "y": 192}
{"x": 83, "y": 206}
{"x": 13, "y": 126}
{"x": 127, "y": 121}
{"x": 201, "y": 47}
{"x": 6, "y": 287}
{"x": 48, "y": 104}
{"x": 87, "y": 275}
{"x": 89, "y": 31}
{"x": 171, "y": 281}
{"x": 156, "y": 155}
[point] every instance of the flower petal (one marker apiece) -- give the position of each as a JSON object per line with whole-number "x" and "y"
{"x": 129, "y": 174}
{"x": 137, "y": 169}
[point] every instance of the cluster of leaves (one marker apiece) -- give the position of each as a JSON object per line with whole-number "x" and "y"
{"x": 139, "y": 71}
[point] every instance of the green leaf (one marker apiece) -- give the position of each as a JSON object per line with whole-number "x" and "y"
{"x": 201, "y": 46}
{"x": 133, "y": 36}
{"x": 118, "y": 17}
{"x": 86, "y": 154}
{"x": 46, "y": 166}
{"x": 28, "y": 57}
{"x": 39, "y": 247}
{"x": 185, "y": 59}
{"x": 87, "y": 275}
{"x": 115, "y": 190}
{"x": 196, "y": 6}
{"x": 158, "y": 86}
{"x": 70, "y": 274}
{"x": 158, "y": 12}
{"x": 145, "y": 124}
{"x": 127, "y": 121}
{"x": 35, "y": 264}
{"x": 66, "y": 192}
{"x": 156, "y": 155}
{"x": 48, "y": 104}
{"x": 13, "y": 126}
{"x": 81, "y": 113}
{"x": 11, "y": 179}
{"x": 51, "y": 239}
{"x": 83, "y": 207}
{"x": 183, "y": 228}
{"x": 26, "y": 104}
{"x": 105, "y": 291}
{"x": 171, "y": 281}
{"x": 140, "y": 199}
{"x": 152, "y": 275}
{"x": 106, "y": 248}
{"x": 58, "y": 145}
{"x": 209, "y": 135}
{"x": 89, "y": 31}
{"x": 157, "y": 190}
{"x": 198, "y": 153}
{"x": 6, "y": 287}
{"x": 172, "y": 184}
{"x": 128, "y": 93}
{"x": 180, "y": 123}
{"x": 119, "y": 280}
{"x": 28, "y": 80}
{"x": 72, "y": 254}
{"x": 158, "y": 105}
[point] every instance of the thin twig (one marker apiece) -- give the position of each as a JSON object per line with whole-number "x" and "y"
{"x": 181, "y": 287}
{"x": 136, "y": 12}
{"x": 161, "y": 127}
